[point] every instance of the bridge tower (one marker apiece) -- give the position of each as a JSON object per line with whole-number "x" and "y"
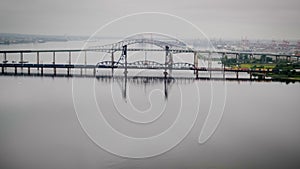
{"x": 124, "y": 53}
{"x": 166, "y": 60}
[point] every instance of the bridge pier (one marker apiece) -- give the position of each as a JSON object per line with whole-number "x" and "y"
{"x": 85, "y": 62}
{"x": 112, "y": 63}
{"x": 223, "y": 65}
{"x": 5, "y": 59}
{"x": 38, "y": 59}
{"x": 70, "y": 61}
{"x": 21, "y": 61}
{"x": 237, "y": 74}
{"x": 28, "y": 70}
{"x": 54, "y": 69}
{"x": 70, "y": 57}
{"x": 195, "y": 62}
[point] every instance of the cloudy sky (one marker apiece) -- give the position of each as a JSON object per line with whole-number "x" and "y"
{"x": 254, "y": 19}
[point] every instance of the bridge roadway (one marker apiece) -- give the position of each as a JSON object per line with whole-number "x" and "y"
{"x": 82, "y": 66}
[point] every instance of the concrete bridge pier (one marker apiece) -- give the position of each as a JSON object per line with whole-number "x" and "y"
{"x": 38, "y": 60}
{"x": 195, "y": 62}
{"x": 70, "y": 60}
{"x": 112, "y": 63}
{"x": 54, "y": 69}
{"x": 21, "y": 61}
{"x": 237, "y": 74}
{"x": 5, "y": 59}
{"x": 196, "y": 71}
{"x": 209, "y": 64}
{"x": 85, "y": 62}
{"x": 223, "y": 65}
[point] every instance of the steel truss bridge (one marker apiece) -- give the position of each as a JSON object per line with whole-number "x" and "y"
{"x": 169, "y": 46}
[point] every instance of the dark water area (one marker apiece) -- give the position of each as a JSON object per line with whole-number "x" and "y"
{"x": 39, "y": 125}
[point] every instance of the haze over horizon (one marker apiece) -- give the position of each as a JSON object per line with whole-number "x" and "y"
{"x": 228, "y": 19}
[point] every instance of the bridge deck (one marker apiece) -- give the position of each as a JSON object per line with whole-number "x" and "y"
{"x": 82, "y": 66}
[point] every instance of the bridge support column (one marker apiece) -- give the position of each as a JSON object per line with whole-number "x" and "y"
{"x": 38, "y": 59}
{"x": 16, "y": 70}
{"x": 125, "y": 57}
{"x": 195, "y": 62}
{"x": 70, "y": 61}
{"x": 42, "y": 70}
{"x": 223, "y": 64}
{"x": 197, "y": 74}
{"x": 21, "y": 61}
{"x": 5, "y": 59}
{"x": 85, "y": 62}
{"x": 237, "y": 74}
{"x": 209, "y": 64}
{"x": 54, "y": 69}
{"x": 2, "y": 69}
{"x": 112, "y": 63}
{"x": 70, "y": 58}
{"x": 29, "y": 70}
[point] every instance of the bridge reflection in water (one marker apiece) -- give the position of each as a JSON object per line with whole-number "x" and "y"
{"x": 144, "y": 81}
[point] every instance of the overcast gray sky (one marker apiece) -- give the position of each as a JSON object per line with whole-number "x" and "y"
{"x": 255, "y": 19}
